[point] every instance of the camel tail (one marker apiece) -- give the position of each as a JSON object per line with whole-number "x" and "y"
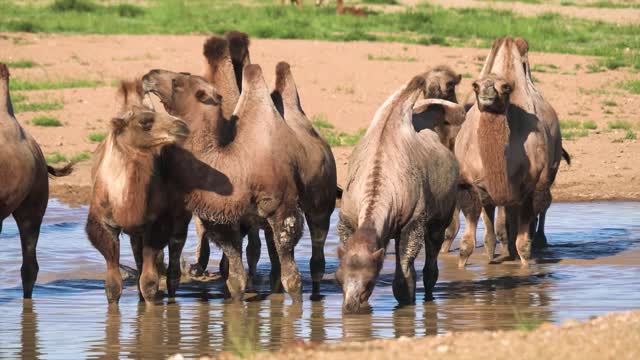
{"x": 338, "y": 192}
{"x": 566, "y": 156}
{"x": 60, "y": 172}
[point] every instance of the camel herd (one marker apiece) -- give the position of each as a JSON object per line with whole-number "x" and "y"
{"x": 241, "y": 157}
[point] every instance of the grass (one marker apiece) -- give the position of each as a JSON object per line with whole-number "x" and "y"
{"x": 55, "y": 158}
{"x": 632, "y": 86}
{"x": 594, "y": 68}
{"x": 97, "y": 137}
{"x": 20, "y": 64}
{"x": 81, "y": 156}
{"x": 390, "y": 58}
{"x": 525, "y": 323}
{"x": 619, "y": 125}
{"x": 333, "y": 137}
{"x": 46, "y": 121}
{"x": 572, "y": 134}
{"x": 381, "y": 2}
{"x": 609, "y": 103}
{"x": 573, "y": 129}
{"x": 17, "y": 84}
{"x": 424, "y": 24}
{"x": 589, "y": 125}
{"x": 630, "y": 135}
{"x": 21, "y": 103}
{"x": 611, "y": 5}
{"x": 570, "y": 124}
{"x": 520, "y": 1}
{"x": 545, "y": 68}
{"x": 567, "y": 3}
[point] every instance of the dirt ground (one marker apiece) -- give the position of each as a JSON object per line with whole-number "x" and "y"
{"x": 335, "y": 80}
{"x": 612, "y": 336}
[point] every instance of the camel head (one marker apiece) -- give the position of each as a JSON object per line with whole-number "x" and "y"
{"x": 180, "y": 93}
{"x": 358, "y": 271}
{"x": 441, "y": 83}
{"x": 492, "y": 93}
{"x": 130, "y": 93}
{"x": 146, "y": 131}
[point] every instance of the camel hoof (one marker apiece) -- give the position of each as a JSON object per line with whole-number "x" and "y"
{"x": 195, "y": 270}
{"x": 462, "y": 263}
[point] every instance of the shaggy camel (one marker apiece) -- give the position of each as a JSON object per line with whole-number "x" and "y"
{"x": 317, "y": 170}
{"x": 508, "y": 154}
{"x": 132, "y": 194}
{"x": 402, "y": 185}
{"x": 256, "y": 152}
{"x": 24, "y": 186}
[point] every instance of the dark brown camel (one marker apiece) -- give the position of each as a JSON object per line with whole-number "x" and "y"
{"x": 24, "y": 185}
{"x": 132, "y": 193}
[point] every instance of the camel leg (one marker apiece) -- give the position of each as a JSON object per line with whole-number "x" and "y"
{"x": 176, "y": 244}
{"x": 471, "y": 208}
{"x": 501, "y": 232}
{"x": 136, "y": 247}
{"x": 253, "y": 253}
{"x": 407, "y": 249}
{"x": 105, "y": 239}
{"x": 29, "y": 221}
{"x": 489, "y": 233}
{"x": 539, "y": 237}
{"x": 523, "y": 241}
{"x": 452, "y": 231}
{"x": 203, "y": 251}
{"x": 433, "y": 237}
{"x": 287, "y": 229}
{"x": 229, "y": 239}
{"x": 319, "y": 229}
{"x": 149, "y": 280}
{"x": 274, "y": 277}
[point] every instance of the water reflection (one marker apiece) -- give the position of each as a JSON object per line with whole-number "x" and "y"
{"x": 29, "y": 335}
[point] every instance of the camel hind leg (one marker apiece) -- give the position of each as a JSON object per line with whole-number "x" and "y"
{"x": 452, "y": 231}
{"x": 319, "y": 229}
{"x": 469, "y": 202}
{"x": 433, "y": 238}
{"x": 29, "y": 221}
{"x": 105, "y": 239}
{"x": 176, "y": 244}
{"x": 287, "y": 230}
{"x": 253, "y": 250}
{"x": 489, "y": 239}
{"x": 203, "y": 250}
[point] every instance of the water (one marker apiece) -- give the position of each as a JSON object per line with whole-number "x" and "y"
{"x": 593, "y": 267}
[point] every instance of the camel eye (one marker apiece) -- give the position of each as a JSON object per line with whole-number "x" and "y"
{"x": 506, "y": 88}
{"x": 476, "y": 87}
{"x": 146, "y": 123}
{"x": 450, "y": 85}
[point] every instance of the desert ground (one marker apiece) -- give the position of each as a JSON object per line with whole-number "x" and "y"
{"x": 342, "y": 83}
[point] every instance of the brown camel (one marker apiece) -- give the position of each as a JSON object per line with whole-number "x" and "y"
{"x": 402, "y": 185}
{"x": 317, "y": 169}
{"x": 255, "y": 150}
{"x": 132, "y": 193}
{"x": 508, "y": 154}
{"x": 24, "y": 185}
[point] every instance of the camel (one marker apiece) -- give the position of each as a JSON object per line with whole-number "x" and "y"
{"x": 24, "y": 185}
{"x": 508, "y": 153}
{"x": 132, "y": 193}
{"x": 255, "y": 151}
{"x": 317, "y": 169}
{"x": 402, "y": 185}
{"x": 441, "y": 83}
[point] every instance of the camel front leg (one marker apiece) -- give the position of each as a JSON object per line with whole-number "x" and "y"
{"x": 29, "y": 227}
{"x": 136, "y": 241}
{"x": 407, "y": 249}
{"x": 501, "y": 232}
{"x": 176, "y": 244}
{"x": 489, "y": 239}
{"x": 253, "y": 250}
{"x": 452, "y": 231}
{"x": 319, "y": 229}
{"x": 274, "y": 275}
{"x": 469, "y": 202}
{"x": 203, "y": 251}
{"x": 105, "y": 239}
{"x": 287, "y": 230}
{"x": 523, "y": 240}
{"x": 433, "y": 237}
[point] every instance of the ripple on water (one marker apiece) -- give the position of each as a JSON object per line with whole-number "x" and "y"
{"x": 69, "y": 317}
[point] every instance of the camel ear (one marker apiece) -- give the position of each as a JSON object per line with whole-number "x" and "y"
{"x": 118, "y": 123}
{"x": 378, "y": 255}
{"x": 506, "y": 88}
{"x": 340, "y": 252}
{"x": 476, "y": 86}
{"x": 458, "y": 79}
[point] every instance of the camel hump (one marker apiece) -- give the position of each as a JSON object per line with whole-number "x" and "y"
{"x": 285, "y": 84}
{"x": 4, "y": 71}
{"x": 252, "y": 77}
{"x": 238, "y": 45}
{"x": 215, "y": 49}
{"x": 523, "y": 45}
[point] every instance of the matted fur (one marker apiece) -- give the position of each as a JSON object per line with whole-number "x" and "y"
{"x": 493, "y": 143}
{"x": 238, "y": 45}
{"x": 4, "y": 71}
{"x": 215, "y": 48}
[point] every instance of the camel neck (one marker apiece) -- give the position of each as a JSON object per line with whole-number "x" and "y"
{"x": 493, "y": 143}
{"x": 210, "y": 130}
{"x": 5, "y": 98}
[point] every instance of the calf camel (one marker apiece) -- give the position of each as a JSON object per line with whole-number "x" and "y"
{"x": 256, "y": 151}
{"x": 133, "y": 194}
{"x": 402, "y": 185}
{"x": 507, "y": 153}
{"x": 24, "y": 185}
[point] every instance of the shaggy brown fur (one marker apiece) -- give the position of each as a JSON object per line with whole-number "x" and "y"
{"x": 239, "y": 50}
{"x": 493, "y": 142}
{"x": 132, "y": 194}
{"x": 24, "y": 185}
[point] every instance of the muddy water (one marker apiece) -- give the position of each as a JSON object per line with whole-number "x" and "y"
{"x": 593, "y": 267}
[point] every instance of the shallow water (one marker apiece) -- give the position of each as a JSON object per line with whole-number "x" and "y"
{"x": 593, "y": 267}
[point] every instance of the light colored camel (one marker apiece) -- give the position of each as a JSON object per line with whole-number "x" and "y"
{"x": 401, "y": 184}
{"x": 254, "y": 151}
{"x": 505, "y": 150}
{"x": 24, "y": 185}
{"x": 132, "y": 193}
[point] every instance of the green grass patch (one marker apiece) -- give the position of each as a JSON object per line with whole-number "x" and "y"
{"x": 525, "y": 323}
{"x": 55, "y": 158}
{"x": 630, "y": 135}
{"x": 381, "y": 2}
{"x": 570, "y": 124}
{"x": 611, "y": 5}
{"x": 21, "y": 103}
{"x": 632, "y": 86}
{"x": 47, "y": 121}
{"x": 545, "y": 68}
{"x": 390, "y": 58}
{"x": 619, "y": 125}
{"x": 608, "y": 112}
{"x": 594, "y": 68}
{"x": 81, "y": 156}
{"x": 572, "y": 134}
{"x": 335, "y": 138}
{"x": 589, "y": 125}
{"x": 424, "y": 24}
{"x": 519, "y": 1}
{"x": 17, "y": 84}
{"x": 609, "y": 103}
{"x": 97, "y": 137}
{"x": 467, "y": 76}
{"x": 20, "y": 64}
{"x": 567, "y": 3}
